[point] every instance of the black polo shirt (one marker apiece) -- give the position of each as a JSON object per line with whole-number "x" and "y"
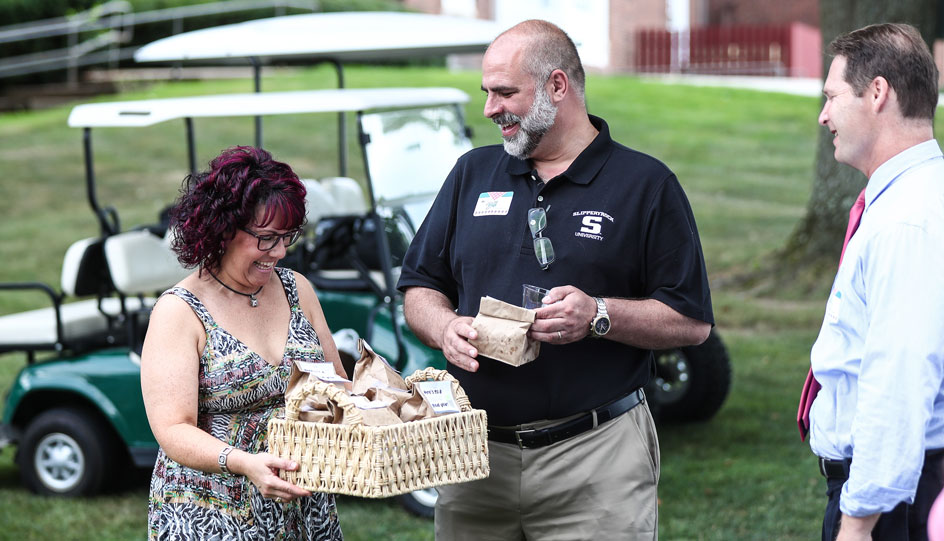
{"x": 621, "y": 226}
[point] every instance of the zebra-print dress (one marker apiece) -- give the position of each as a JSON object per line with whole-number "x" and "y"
{"x": 239, "y": 393}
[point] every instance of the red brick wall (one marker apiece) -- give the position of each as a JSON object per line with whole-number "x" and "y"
{"x": 806, "y": 51}
{"x": 626, "y": 16}
{"x": 739, "y": 12}
{"x": 485, "y": 9}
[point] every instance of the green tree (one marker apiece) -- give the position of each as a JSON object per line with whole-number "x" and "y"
{"x": 813, "y": 248}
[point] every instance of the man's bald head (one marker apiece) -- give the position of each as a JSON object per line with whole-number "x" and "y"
{"x": 547, "y": 48}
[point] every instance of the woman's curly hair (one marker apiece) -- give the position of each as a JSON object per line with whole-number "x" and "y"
{"x": 214, "y": 203}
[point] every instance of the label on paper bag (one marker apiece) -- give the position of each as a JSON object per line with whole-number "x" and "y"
{"x": 377, "y": 384}
{"x": 321, "y": 370}
{"x": 439, "y": 395}
{"x": 365, "y": 403}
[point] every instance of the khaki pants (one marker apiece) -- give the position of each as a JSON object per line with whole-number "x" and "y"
{"x": 598, "y": 485}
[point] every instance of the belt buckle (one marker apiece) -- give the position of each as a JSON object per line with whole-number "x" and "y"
{"x": 822, "y": 467}
{"x": 518, "y": 434}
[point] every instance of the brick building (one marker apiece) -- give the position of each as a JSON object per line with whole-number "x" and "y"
{"x": 606, "y": 31}
{"x": 756, "y": 12}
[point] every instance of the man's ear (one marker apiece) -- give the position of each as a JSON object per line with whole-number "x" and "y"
{"x": 560, "y": 85}
{"x": 880, "y": 94}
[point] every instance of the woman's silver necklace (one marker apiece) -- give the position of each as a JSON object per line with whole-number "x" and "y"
{"x": 253, "y": 301}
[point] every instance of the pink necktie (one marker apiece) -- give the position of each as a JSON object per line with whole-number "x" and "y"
{"x": 811, "y": 386}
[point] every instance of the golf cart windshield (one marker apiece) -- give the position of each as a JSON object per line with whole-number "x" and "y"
{"x": 409, "y": 152}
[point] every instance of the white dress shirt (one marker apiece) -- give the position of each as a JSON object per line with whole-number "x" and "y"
{"x": 880, "y": 352}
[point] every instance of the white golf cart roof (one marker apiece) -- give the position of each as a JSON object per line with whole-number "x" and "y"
{"x": 408, "y": 157}
{"x": 150, "y": 112}
{"x": 345, "y": 36}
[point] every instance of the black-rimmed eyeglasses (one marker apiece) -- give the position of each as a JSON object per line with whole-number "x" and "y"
{"x": 543, "y": 249}
{"x": 268, "y": 242}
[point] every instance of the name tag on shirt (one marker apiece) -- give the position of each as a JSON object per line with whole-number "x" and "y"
{"x": 833, "y": 306}
{"x": 493, "y": 204}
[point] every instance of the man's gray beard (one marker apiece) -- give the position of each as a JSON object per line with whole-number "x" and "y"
{"x": 531, "y": 129}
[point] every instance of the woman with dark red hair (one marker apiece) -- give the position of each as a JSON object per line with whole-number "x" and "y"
{"x": 218, "y": 354}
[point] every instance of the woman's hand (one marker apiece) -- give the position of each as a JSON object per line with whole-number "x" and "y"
{"x": 262, "y": 469}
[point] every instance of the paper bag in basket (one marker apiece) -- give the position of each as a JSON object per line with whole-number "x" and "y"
{"x": 503, "y": 332}
{"x": 315, "y": 408}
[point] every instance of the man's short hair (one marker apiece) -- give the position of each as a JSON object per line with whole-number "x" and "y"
{"x": 550, "y": 48}
{"x": 899, "y": 54}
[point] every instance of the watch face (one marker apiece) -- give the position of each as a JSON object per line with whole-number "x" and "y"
{"x": 601, "y": 326}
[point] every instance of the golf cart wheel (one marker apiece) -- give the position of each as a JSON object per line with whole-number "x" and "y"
{"x": 421, "y": 503}
{"x": 692, "y": 382}
{"x": 64, "y": 452}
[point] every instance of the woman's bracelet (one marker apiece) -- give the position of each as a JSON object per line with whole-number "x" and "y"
{"x": 224, "y": 454}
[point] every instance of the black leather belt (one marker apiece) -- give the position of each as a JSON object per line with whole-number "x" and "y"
{"x": 839, "y": 469}
{"x": 834, "y": 469}
{"x": 530, "y": 439}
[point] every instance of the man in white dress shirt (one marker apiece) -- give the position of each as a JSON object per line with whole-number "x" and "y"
{"x": 877, "y": 424}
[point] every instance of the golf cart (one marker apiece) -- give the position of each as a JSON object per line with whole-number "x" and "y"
{"x": 79, "y": 414}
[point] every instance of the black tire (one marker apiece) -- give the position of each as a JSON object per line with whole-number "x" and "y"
{"x": 65, "y": 452}
{"x": 421, "y": 503}
{"x": 691, "y": 383}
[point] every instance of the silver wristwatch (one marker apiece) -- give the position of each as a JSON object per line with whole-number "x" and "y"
{"x": 600, "y": 325}
{"x": 224, "y": 454}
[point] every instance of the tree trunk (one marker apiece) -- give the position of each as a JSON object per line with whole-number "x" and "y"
{"x": 814, "y": 246}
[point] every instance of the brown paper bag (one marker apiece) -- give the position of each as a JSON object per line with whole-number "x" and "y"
{"x": 372, "y": 369}
{"x": 313, "y": 408}
{"x": 378, "y": 392}
{"x": 374, "y": 412}
{"x": 503, "y": 332}
{"x": 318, "y": 409}
{"x": 416, "y": 408}
{"x": 308, "y": 414}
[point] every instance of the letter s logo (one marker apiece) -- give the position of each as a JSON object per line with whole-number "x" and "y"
{"x": 591, "y": 225}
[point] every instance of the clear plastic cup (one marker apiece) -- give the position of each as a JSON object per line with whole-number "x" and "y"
{"x": 531, "y": 296}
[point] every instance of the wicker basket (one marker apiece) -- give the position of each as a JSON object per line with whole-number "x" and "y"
{"x": 381, "y": 461}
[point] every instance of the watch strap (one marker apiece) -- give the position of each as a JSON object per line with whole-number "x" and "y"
{"x": 601, "y": 314}
{"x": 601, "y": 307}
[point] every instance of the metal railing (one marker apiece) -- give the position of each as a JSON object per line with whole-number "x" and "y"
{"x": 113, "y": 22}
{"x": 736, "y": 50}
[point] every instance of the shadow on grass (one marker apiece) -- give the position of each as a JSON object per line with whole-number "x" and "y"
{"x": 384, "y": 518}
{"x": 9, "y": 473}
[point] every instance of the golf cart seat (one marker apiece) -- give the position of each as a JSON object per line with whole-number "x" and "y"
{"x": 336, "y": 212}
{"x": 141, "y": 263}
{"x": 332, "y": 196}
{"x": 84, "y": 271}
{"x": 348, "y": 195}
{"x": 69, "y": 325}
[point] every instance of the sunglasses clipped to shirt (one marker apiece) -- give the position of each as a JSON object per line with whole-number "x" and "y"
{"x": 543, "y": 249}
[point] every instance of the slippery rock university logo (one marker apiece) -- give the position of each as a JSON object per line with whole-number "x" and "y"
{"x": 591, "y": 223}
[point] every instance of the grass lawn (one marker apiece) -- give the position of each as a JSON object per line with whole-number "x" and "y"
{"x": 744, "y": 158}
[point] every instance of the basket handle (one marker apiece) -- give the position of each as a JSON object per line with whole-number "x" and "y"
{"x": 316, "y": 387}
{"x": 433, "y": 374}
